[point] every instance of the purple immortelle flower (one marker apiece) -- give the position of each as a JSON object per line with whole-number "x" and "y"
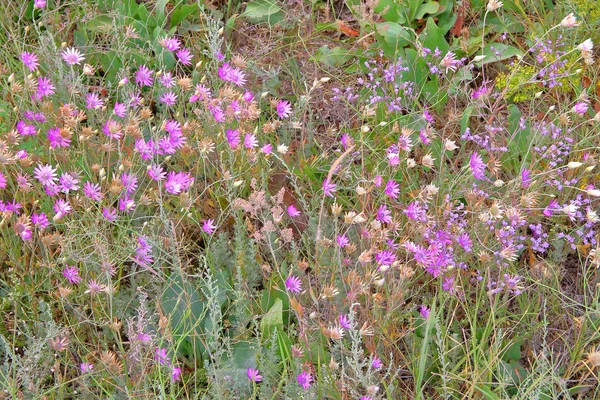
{"x": 424, "y": 311}
{"x": 465, "y": 242}
{"x": 344, "y": 321}
{"x": 45, "y": 174}
{"x": 253, "y": 375}
{"x": 304, "y": 379}
{"x": 45, "y": 87}
{"x": 248, "y": 96}
{"x": 126, "y": 203}
{"x": 72, "y": 274}
{"x": 232, "y": 74}
{"x": 156, "y": 172}
{"x": 477, "y": 166}
{"x": 171, "y": 44}
{"x": 580, "y": 108}
{"x": 120, "y": 110}
{"x": 293, "y": 211}
{"x": 92, "y": 191}
{"x": 267, "y": 148}
{"x": 178, "y": 181}
{"x": 208, "y": 226}
{"x": 385, "y": 257}
{"x": 293, "y": 284}
{"x": 112, "y": 129}
{"x": 167, "y": 80}
{"x": 25, "y": 129}
{"x": 39, "y": 4}
{"x": 342, "y": 241}
{"x": 376, "y": 362}
{"x": 143, "y": 252}
{"x": 233, "y": 138}
{"x": 329, "y": 188}
{"x": 168, "y": 98}
{"x": 93, "y": 101}
{"x": 72, "y": 56}
{"x": 56, "y": 139}
{"x": 185, "y": 56}
{"x": 30, "y": 60}
{"x": 525, "y": 178}
{"x": 110, "y": 213}
{"x": 416, "y": 211}
{"x": 383, "y": 214}
{"x": 3, "y": 181}
{"x": 175, "y": 374}
{"x": 160, "y": 355}
{"x": 62, "y": 208}
{"x": 284, "y": 109}
{"x": 69, "y": 182}
{"x": 250, "y": 141}
{"x": 40, "y": 220}
{"x": 129, "y": 182}
{"x": 392, "y": 189}
{"x": 143, "y": 76}
{"x": 86, "y": 367}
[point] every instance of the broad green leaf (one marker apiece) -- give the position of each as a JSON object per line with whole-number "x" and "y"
{"x": 432, "y": 37}
{"x": 142, "y": 13}
{"x": 102, "y": 23}
{"x": 334, "y": 57}
{"x": 259, "y": 11}
{"x": 431, "y": 7}
{"x": 273, "y": 318}
{"x": 182, "y": 13}
{"x": 498, "y": 52}
{"x": 394, "y": 36}
{"x": 392, "y": 11}
{"x": 160, "y": 11}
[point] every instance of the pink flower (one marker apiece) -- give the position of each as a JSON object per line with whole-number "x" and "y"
{"x": 580, "y": 108}
{"x": 293, "y": 211}
{"x": 120, "y": 110}
{"x": 342, "y": 241}
{"x": 378, "y": 180}
{"x": 376, "y": 362}
{"x": 62, "y": 208}
{"x": 39, "y": 4}
{"x": 250, "y": 141}
{"x": 30, "y": 60}
{"x": 3, "y": 181}
{"x": 177, "y": 182}
{"x": 284, "y": 109}
{"x": 171, "y": 44}
{"x": 233, "y": 138}
{"x": 232, "y": 74}
{"x": 477, "y": 166}
{"x": 293, "y": 284}
{"x": 110, "y": 213}
{"x": 45, "y": 88}
{"x": 253, "y": 375}
{"x": 86, "y": 367}
{"x": 143, "y": 76}
{"x": 72, "y": 274}
{"x": 112, "y": 129}
{"x": 304, "y": 379}
{"x": 72, "y": 56}
{"x": 329, "y": 188}
{"x": 383, "y": 214}
{"x": 344, "y": 321}
{"x": 56, "y": 139}
{"x": 176, "y": 374}
{"x": 168, "y": 98}
{"x": 160, "y": 355}
{"x": 184, "y": 56}
{"x": 45, "y": 175}
{"x": 424, "y": 311}
{"x": 209, "y": 226}
{"x": 392, "y": 189}
{"x": 93, "y": 101}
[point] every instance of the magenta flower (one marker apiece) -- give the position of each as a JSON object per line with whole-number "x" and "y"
{"x": 25, "y": 129}
{"x": 171, "y": 44}
{"x": 112, "y": 129}
{"x": 129, "y": 182}
{"x": 376, "y": 362}
{"x": 86, "y": 367}
{"x": 253, "y": 375}
{"x": 72, "y": 274}
{"x": 93, "y": 101}
{"x": 69, "y": 182}
{"x": 62, "y": 208}
{"x": 92, "y": 191}
{"x": 477, "y": 166}
{"x": 160, "y": 355}
{"x": 208, "y": 226}
{"x": 40, "y": 220}
{"x": 342, "y": 241}
{"x": 293, "y": 284}
{"x": 72, "y": 56}
{"x": 45, "y": 88}
{"x": 233, "y": 138}
{"x": 284, "y": 109}
{"x": 384, "y": 215}
{"x": 525, "y": 178}
{"x": 177, "y": 182}
{"x": 266, "y": 149}
{"x": 3, "y": 181}
{"x": 56, "y": 139}
{"x": 344, "y": 321}
{"x": 143, "y": 76}
{"x": 293, "y": 211}
{"x": 143, "y": 252}
{"x": 424, "y": 311}
{"x": 232, "y": 74}
{"x": 120, "y": 110}
{"x": 45, "y": 174}
{"x": 392, "y": 189}
{"x": 175, "y": 374}
{"x": 385, "y": 258}
{"x": 329, "y": 188}
{"x": 156, "y": 172}
{"x": 250, "y": 141}
{"x": 167, "y": 80}
{"x": 184, "y": 56}
{"x": 580, "y": 108}
{"x": 248, "y": 96}
{"x": 304, "y": 379}
{"x": 39, "y": 4}
{"x": 168, "y": 98}
{"x": 110, "y": 213}
{"x": 30, "y": 60}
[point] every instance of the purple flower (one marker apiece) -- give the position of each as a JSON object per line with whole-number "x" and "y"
{"x": 344, "y": 321}
{"x": 69, "y": 182}
{"x": 175, "y": 374}
{"x": 72, "y": 56}
{"x": 525, "y": 178}
{"x": 293, "y": 211}
{"x": 208, "y": 226}
{"x": 580, "y": 108}
{"x": 376, "y": 362}
{"x": 93, "y": 101}
{"x": 168, "y": 98}
{"x": 30, "y": 60}
{"x": 250, "y": 141}
{"x": 171, "y": 44}
{"x": 178, "y": 181}
{"x": 86, "y": 367}
{"x": 477, "y": 166}
{"x": 25, "y": 130}
{"x": 160, "y": 355}
{"x": 233, "y": 138}
{"x": 184, "y": 56}
{"x": 167, "y": 80}
{"x": 112, "y": 129}
{"x": 329, "y": 188}
{"x": 392, "y": 189}
{"x": 284, "y": 109}
{"x": 129, "y": 182}
{"x": 156, "y": 172}
{"x": 45, "y": 175}
{"x": 3, "y": 181}
{"x": 143, "y": 76}
{"x": 39, "y": 4}
{"x": 253, "y": 375}
{"x": 40, "y": 220}
{"x": 120, "y": 110}
{"x": 72, "y": 274}
{"x": 62, "y": 208}
{"x": 45, "y": 87}
{"x": 385, "y": 258}
{"x": 58, "y": 140}
{"x": 304, "y": 379}
{"x": 384, "y": 215}
{"x": 424, "y": 311}
{"x": 342, "y": 241}
{"x": 293, "y": 284}
{"x": 110, "y": 213}
{"x": 232, "y": 74}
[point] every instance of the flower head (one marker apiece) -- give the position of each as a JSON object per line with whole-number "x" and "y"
{"x": 253, "y": 375}
{"x": 304, "y": 379}
{"x": 477, "y": 166}
{"x": 72, "y": 56}
{"x": 493, "y": 5}
{"x": 143, "y": 76}
{"x": 209, "y": 226}
{"x": 329, "y": 188}
{"x": 586, "y": 45}
{"x": 30, "y": 60}
{"x": 284, "y": 109}
{"x": 45, "y": 174}
{"x": 569, "y": 21}
{"x": 293, "y": 211}
{"x": 293, "y": 284}
{"x": 184, "y": 56}
{"x": 72, "y": 274}
{"x": 45, "y": 87}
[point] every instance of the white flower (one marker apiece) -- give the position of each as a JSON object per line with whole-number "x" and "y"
{"x": 569, "y": 21}
{"x": 493, "y": 5}
{"x": 282, "y": 149}
{"x": 587, "y": 45}
{"x": 450, "y": 145}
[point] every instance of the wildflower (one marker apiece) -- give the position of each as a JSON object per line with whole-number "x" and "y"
{"x": 232, "y": 74}
{"x": 580, "y": 108}
{"x": 569, "y": 21}
{"x": 304, "y": 379}
{"x": 178, "y": 181}
{"x": 424, "y": 311}
{"x": 450, "y": 62}
{"x": 493, "y": 5}
{"x": 293, "y": 284}
{"x": 284, "y": 109}
{"x": 58, "y": 137}
{"x": 69, "y": 182}
{"x": 45, "y": 87}
{"x": 266, "y": 149}
{"x": 144, "y": 337}
{"x": 30, "y": 60}
{"x": 282, "y": 149}
{"x": 93, "y": 101}
{"x": 171, "y": 44}
{"x": 168, "y": 98}
{"x": 175, "y": 374}
{"x": 477, "y": 166}
{"x": 120, "y": 110}
{"x": 72, "y": 274}
{"x": 250, "y": 141}
{"x": 184, "y": 56}
{"x": 253, "y": 375}
{"x": 342, "y": 241}
{"x": 72, "y": 56}
{"x": 376, "y": 362}
{"x": 383, "y": 214}
{"x": 45, "y": 175}
{"x": 160, "y": 355}
{"x": 62, "y": 208}
{"x": 156, "y": 172}
{"x": 233, "y": 138}
{"x": 248, "y": 96}
{"x": 293, "y": 211}
{"x": 550, "y": 208}
{"x": 392, "y": 189}
{"x": 208, "y": 226}
{"x": 586, "y": 45}
{"x": 59, "y": 343}
{"x": 110, "y": 213}
{"x": 525, "y": 178}
{"x": 167, "y": 80}
{"x": 143, "y": 76}
{"x": 385, "y": 259}
{"x": 329, "y": 188}
{"x": 112, "y": 129}
{"x": 25, "y": 129}
{"x": 344, "y": 321}
{"x": 378, "y": 180}
{"x": 95, "y": 288}
{"x": 86, "y": 367}
{"x": 3, "y": 181}
{"x": 129, "y": 182}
